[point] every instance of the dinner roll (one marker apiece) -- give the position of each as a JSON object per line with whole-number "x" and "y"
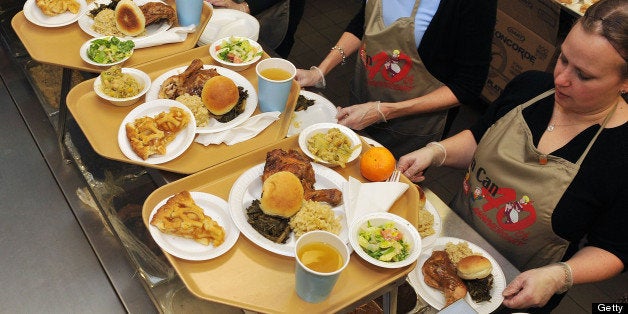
{"x": 129, "y": 18}
{"x": 220, "y": 94}
{"x": 474, "y": 267}
{"x": 282, "y": 194}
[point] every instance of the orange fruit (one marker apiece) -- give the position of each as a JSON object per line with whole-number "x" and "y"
{"x": 377, "y": 164}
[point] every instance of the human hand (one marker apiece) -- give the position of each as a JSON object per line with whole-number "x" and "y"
{"x": 413, "y": 165}
{"x": 222, "y": 3}
{"x": 359, "y": 116}
{"x": 311, "y": 77}
{"x": 533, "y": 288}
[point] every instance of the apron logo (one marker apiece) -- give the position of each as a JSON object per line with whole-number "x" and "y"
{"x": 393, "y": 69}
{"x": 502, "y": 212}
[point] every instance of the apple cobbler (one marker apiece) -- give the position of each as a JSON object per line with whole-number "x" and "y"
{"x": 149, "y": 136}
{"x": 182, "y": 217}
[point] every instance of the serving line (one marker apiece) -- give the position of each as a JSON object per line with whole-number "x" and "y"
{"x": 60, "y": 46}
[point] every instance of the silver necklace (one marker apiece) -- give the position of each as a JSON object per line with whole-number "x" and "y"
{"x": 552, "y": 126}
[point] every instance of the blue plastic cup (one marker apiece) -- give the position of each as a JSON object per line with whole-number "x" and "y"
{"x": 273, "y": 92}
{"x": 189, "y": 12}
{"x": 313, "y": 286}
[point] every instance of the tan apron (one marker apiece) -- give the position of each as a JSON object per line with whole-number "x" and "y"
{"x": 510, "y": 191}
{"x": 389, "y": 69}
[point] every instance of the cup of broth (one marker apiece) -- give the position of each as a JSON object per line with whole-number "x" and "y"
{"x": 320, "y": 258}
{"x": 274, "y": 81}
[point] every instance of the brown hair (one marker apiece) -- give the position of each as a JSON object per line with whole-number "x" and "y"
{"x": 609, "y": 19}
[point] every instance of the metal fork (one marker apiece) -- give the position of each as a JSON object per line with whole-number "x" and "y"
{"x": 395, "y": 176}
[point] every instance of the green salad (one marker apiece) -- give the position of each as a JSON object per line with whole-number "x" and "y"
{"x": 384, "y": 242}
{"x": 109, "y": 50}
{"x": 237, "y": 50}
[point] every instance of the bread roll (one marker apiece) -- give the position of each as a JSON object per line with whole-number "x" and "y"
{"x": 282, "y": 194}
{"x": 220, "y": 94}
{"x": 129, "y": 18}
{"x": 474, "y": 267}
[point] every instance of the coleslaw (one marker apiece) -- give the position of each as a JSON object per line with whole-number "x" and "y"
{"x": 384, "y": 242}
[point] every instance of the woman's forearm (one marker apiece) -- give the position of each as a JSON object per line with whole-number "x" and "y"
{"x": 440, "y": 99}
{"x": 592, "y": 264}
{"x": 459, "y": 149}
{"x": 348, "y": 43}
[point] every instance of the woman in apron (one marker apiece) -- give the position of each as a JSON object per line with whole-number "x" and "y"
{"x": 416, "y": 60}
{"x": 550, "y": 173}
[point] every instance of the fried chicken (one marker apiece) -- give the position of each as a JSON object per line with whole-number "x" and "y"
{"x": 157, "y": 11}
{"x": 440, "y": 273}
{"x": 297, "y": 163}
{"x": 191, "y": 81}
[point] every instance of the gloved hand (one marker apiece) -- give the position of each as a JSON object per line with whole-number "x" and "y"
{"x": 533, "y": 288}
{"x": 311, "y": 77}
{"x": 413, "y": 164}
{"x": 359, "y": 116}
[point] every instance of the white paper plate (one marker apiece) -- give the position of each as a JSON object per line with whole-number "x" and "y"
{"x": 85, "y": 22}
{"x": 438, "y": 225}
{"x": 152, "y": 108}
{"x": 214, "y": 207}
{"x": 248, "y": 187}
{"x": 321, "y": 111}
{"x": 436, "y": 298}
{"x": 213, "y": 125}
{"x": 410, "y": 235}
{"x": 229, "y": 22}
{"x": 34, "y": 14}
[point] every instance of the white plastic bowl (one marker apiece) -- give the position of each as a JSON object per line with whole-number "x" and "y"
{"x": 317, "y": 128}
{"x": 85, "y": 46}
{"x": 230, "y": 65}
{"x": 142, "y": 77}
{"x": 410, "y": 235}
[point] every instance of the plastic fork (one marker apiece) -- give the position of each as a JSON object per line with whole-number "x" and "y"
{"x": 395, "y": 176}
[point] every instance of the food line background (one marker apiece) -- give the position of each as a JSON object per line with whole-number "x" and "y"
{"x": 120, "y": 188}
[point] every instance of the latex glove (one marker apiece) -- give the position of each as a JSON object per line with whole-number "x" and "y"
{"x": 533, "y": 288}
{"x": 310, "y": 77}
{"x": 413, "y": 165}
{"x": 359, "y": 116}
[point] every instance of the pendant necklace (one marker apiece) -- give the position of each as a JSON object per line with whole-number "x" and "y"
{"x": 552, "y": 126}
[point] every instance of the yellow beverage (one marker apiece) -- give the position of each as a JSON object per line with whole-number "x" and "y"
{"x": 275, "y": 74}
{"x": 320, "y": 257}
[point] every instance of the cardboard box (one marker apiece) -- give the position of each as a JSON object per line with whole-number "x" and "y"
{"x": 515, "y": 49}
{"x": 540, "y": 16}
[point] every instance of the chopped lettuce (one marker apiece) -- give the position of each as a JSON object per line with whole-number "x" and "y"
{"x": 110, "y": 50}
{"x": 237, "y": 50}
{"x": 384, "y": 242}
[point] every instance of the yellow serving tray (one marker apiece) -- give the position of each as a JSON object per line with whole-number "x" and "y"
{"x": 250, "y": 277}
{"x": 99, "y": 120}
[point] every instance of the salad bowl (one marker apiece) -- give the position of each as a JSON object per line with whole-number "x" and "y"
{"x": 372, "y": 237}
{"x": 236, "y": 53}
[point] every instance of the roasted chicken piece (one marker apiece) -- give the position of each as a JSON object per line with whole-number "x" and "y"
{"x": 157, "y": 11}
{"x": 191, "y": 81}
{"x": 440, "y": 273}
{"x": 297, "y": 163}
